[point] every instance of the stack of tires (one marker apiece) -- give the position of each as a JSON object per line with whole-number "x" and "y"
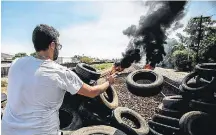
{"x": 123, "y": 121}
{"x": 192, "y": 112}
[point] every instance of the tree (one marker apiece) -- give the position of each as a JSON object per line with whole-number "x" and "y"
{"x": 33, "y": 54}
{"x": 207, "y": 36}
{"x": 18, "y": 55}
{"x": 86, "y": 59}
{"x": 183, "y": 59}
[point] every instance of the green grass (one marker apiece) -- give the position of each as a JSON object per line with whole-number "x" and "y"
{"x": 102, "y": 66}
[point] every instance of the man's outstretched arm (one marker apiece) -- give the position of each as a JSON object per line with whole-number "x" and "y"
{"x": 93, "y": 91}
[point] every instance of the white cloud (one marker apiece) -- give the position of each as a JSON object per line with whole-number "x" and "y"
{"x": 13, "y": 47}
{"x": 102, "y": 38}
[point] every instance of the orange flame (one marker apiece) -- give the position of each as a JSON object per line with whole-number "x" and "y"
{"x": 148, "y": 66}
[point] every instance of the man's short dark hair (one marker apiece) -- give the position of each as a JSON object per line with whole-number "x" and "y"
{"x": 43, "y": 35}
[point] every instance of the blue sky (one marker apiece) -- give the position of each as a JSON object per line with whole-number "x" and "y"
{"x": 90, "y": 28}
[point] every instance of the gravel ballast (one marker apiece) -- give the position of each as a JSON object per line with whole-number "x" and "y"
{"x": 145, "y": 106}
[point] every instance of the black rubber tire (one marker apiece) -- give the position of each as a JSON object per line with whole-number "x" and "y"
{"x": 200, "y": 89}
{"x": 168, "y": 112}
{"x": 197, "y": 123}
{"x": 175, "y": 103}
{"x": 166, "y": 120}
{"x": 144, "y": 90}
{"x": 141, "y": 128}
{"x": 91, "y": 117}
{"x": 208, "y": 107}
{"x": 112, "y": 101}
{"x": 98, "y": 130}
{"x": 74, "y": 101}
{"x": 188, "y": 95}
{"x": 206, "y": 68}
{"x": 72, "y": 122}
{"x": 165, "y": 129}
{"x": 153, "y": 132}
{"x": 87, "y": 72}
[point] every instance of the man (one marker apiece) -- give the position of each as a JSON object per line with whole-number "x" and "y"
{"x": 36, "y": 88}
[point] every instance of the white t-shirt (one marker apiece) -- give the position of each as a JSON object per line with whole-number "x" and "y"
{"x": 36, "y": 89}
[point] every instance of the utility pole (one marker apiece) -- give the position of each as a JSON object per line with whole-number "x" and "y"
{"x": 199, "y": 38}
{"x": 199, "y": 35}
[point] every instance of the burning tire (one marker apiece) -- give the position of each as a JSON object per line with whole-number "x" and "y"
{"x": 130, "y": 121}
{"x": 165, "y": 129}
{"x": 169, "y": 112}
{"x": 208, "y": 107}
{"x": 87, "y": 72}
{"x": 206, "y": 68}
{"x": 98, "y": 130}
{"x": 144, "y": 83}
{"x": 197, "y": 123}
{"x": 198, "y": 90}
{"x": 69, "y": 119}
{"x": 166, "y": 120}
{"x": 109, "y": 98}
{"x": 175, "y": 102}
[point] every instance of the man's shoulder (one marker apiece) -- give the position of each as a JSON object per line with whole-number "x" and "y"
{"x": 53, "y": 65}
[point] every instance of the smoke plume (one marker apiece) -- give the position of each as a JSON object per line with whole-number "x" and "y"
{"x": 149, "y": 36}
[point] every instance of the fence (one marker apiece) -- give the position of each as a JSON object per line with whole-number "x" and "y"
{"x": 4, "y": 71}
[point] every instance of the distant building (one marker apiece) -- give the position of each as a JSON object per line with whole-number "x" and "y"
{"x": 6, "y": 60}
{"x": 63, "y": 60}
{"x": 6, "y": 57}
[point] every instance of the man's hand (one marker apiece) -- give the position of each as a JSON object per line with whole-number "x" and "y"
{"x": 111, "y": 78}
{"x": 93, "y": 91}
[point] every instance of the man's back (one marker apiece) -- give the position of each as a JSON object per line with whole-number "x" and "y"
{"x": 35, "y": 93}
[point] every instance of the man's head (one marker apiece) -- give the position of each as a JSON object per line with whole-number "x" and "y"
{"x": 45, "y": 40}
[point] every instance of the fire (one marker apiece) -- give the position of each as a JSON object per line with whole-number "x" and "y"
{"x": 148, "y": 66}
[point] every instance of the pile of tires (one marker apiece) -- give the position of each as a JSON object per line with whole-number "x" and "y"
{"x": 192, "y": 112}
{"x": 87, "y": 111}
{"x": 144, "y": 83}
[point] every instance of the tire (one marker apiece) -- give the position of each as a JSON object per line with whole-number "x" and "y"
{"x": 206, "y": 68}
{"x": 74, "y": 101}
{"x": 188, "y": 95}
{"x": 197, "y": 123}
{"x": 165, "y": 129}
{"x": 166, "y": 120}
{"x": 94, "y": 115}
{"x": 168, "y": 112}
{"x": 208, "y": 107}
{"x": 153, "y": 132}
{"x": 144, "y": 90}
{"x": 199, "y": 88}
{"x": 69, "y": 119}
{"x": 175, "y": 103}
{"x": 141, "y": 128}
{"x": 87, "y": 72}
{"x": 98, "y": 130}
{"x": 109, "y": 98}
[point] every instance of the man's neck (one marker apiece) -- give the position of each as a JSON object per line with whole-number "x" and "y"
{"x": 43, "y": 56}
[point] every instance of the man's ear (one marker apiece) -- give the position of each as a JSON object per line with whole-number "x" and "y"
{"x": 52, "y": 45}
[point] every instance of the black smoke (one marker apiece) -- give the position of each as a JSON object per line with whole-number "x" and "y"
{"x": 149, "y": 36}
